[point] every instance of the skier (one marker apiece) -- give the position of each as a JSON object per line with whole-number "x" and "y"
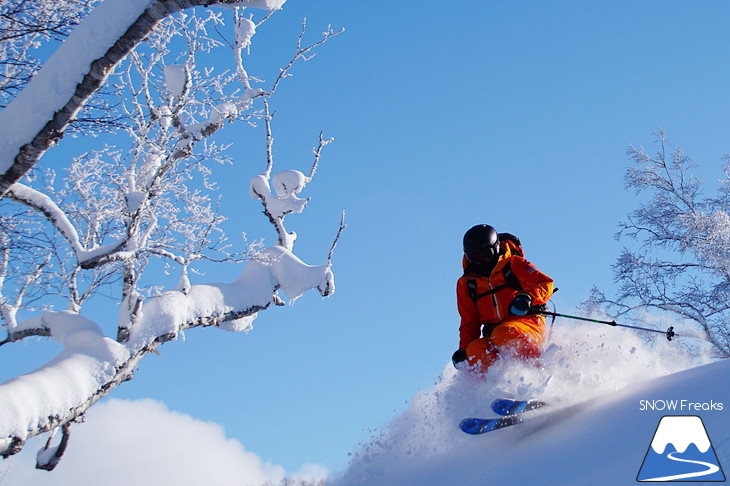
{"x": 494, "y": 297}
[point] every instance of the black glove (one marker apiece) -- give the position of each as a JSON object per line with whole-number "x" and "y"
{"x": 520, "y": 305}
{"x": 458, "y": 358}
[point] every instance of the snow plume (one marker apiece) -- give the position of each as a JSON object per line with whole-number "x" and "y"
{"x": 581, "y": 362}
{"x": 144, "y": 443}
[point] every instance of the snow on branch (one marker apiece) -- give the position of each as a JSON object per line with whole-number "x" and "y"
{"x": 129, "y": 206}
{"x": 681, "y": 263}
{"x": 231, "y": 306}
{"x": 55, "y": 215}
{"x": 39, "y": 115}
{"x": 51, "y": 396}
{"x": 116, "y": 209}
{"x": 287, "y": 185}
{"x": 91, "y": 364}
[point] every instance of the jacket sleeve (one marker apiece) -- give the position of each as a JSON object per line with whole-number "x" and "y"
{"x": 535, "y": 283}
{"x": 470, "y": 327}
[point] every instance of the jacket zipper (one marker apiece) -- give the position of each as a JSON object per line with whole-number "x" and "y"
{"x": 494, "y": 299}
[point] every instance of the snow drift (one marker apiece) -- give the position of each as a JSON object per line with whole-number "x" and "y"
{"x": 602, "y": 384}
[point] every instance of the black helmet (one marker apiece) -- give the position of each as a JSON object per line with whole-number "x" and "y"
{"x": 481, "y": 238}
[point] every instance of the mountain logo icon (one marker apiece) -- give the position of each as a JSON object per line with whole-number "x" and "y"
{"x": 681, "y": 451}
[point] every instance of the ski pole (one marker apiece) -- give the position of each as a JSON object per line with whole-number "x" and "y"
{"x": 669, "y": 333}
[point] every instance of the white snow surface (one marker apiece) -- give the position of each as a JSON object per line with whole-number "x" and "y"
{"x": 597, "y": 430}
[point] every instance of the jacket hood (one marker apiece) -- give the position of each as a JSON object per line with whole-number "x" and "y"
{"x": 507, "y": 248}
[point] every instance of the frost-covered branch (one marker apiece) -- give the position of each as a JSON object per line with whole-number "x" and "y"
{"x": 126, "y": 216}
{"x": 55, "y": 215}
{"x": 302, "y": 52}
{"x": 317, "y": 153}
{"x": 27, "y": 138}
{"x": 337, "y": 238}
{"x": 8, "y": 310}
{"x": 24, "y": 25}
{"x": 42, "y": 400}
{"x": 287, "y": 185}
{"x": 682, "y": 264}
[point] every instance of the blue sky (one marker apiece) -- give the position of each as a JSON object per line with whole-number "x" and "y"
{"x": 515, "y": 114}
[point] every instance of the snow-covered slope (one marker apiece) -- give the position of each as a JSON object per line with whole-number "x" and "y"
{"x": 609, "y": 389}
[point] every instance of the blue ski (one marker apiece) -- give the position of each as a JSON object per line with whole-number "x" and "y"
{"x": 509, "y": 406}
{"x": 510, "y": 411}
{"x": 476, "y": 426}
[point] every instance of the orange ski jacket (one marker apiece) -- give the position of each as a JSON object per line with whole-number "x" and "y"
{"x": 485, "y": 300}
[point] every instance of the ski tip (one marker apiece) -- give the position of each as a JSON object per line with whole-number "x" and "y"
{"x": 505, "y": 406}
{"x": 472, "y": 426}
{"x": 476, "y": 426}
{"x": 510, "y": 406}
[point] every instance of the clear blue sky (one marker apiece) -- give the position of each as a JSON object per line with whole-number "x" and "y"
{"x": 515, "y": 114}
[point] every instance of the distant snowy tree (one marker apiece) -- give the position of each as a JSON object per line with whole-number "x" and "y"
{"x": 139, "y": 204}
{"x": 682, "y": 264}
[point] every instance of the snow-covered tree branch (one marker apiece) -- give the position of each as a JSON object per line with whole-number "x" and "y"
{"x": 25, "y": 24}
{"x": 141, "y": 205}
{"x": 682, "y": 264}
{"x": 117, "y": 29}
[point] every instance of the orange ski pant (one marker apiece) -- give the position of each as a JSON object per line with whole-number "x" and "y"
{"x": 518, "y": 338}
